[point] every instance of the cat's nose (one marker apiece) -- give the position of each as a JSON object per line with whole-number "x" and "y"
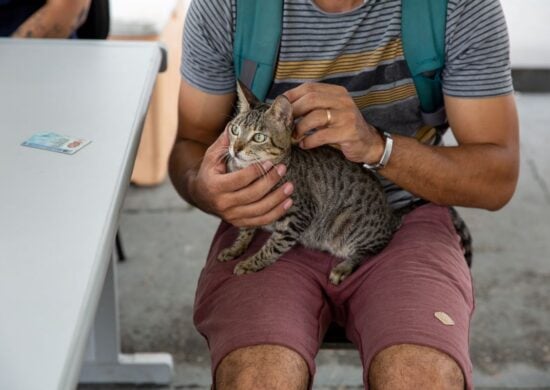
{"x": 238, "y": 147}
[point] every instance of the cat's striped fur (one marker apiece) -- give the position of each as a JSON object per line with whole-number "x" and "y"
{"x": 338, "y": 206}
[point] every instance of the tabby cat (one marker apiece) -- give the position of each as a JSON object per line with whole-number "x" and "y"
{"x": 338, "y": 206}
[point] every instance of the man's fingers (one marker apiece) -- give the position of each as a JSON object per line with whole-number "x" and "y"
{"x": 296, "y": 93}
{"x": 259, "y": 188}
{"x": 261, "y": 207}
{"x": 218, "y": 150}
{"x": 316, "y": 119}
{"x": 316, "y": 101}
{"x": 262, "y": 220}
{"x": 243, "y": 178}
{"x": 329, "y": 136}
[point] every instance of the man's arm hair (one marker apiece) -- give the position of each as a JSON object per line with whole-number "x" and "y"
{"x": 481, "y": 172}
{"x": 56, "y": 19}
{"x": 201, "y": 119}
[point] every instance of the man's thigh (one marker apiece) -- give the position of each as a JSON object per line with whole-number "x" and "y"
{"x": 283, "y": 304}
{"x": 417, "y": 291}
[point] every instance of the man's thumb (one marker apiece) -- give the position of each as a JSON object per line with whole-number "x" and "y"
{"x": 219, "y": 148}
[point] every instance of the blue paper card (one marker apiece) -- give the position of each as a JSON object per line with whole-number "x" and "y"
{"x": 55, "y": 143}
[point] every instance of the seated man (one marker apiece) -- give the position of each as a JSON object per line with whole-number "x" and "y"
{"x": 42, "y": 18}
{"x": 408, "y": 309}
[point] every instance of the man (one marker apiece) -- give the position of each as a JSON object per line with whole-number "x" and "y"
{"x": 341, "y": 64}
{"x": 42, "y": 18}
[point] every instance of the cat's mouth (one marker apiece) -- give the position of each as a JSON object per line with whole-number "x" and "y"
{"x": 243, "y": 162}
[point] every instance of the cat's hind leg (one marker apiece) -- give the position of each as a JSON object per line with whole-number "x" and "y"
{"x": 279, "y": 243}
{"x": 344, "y": 269}
{"x": 239, "y": 246}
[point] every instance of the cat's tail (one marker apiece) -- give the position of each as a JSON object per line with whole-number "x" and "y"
{"x": 464, "y": 233}
{"x": 400, "y": 213}
{"x": 460, "y": 226}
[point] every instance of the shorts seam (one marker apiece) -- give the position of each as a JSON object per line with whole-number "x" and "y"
{"x": 351, "y": 319}
{"x": 319, "y": 315}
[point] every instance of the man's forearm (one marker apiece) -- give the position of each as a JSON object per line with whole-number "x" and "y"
{"x": 476, "y": 175}
{"x": 183, "y": 166}
{"x": 53, "y": 21}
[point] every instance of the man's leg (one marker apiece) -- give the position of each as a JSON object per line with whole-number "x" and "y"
{"x": 405, "y": 366}
{"x": 263, "y": 329}
{"x": 268, "y": 367}
{"x": 409, "y": 308}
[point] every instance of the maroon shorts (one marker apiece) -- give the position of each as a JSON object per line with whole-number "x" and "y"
{"x": 390, "y": 299}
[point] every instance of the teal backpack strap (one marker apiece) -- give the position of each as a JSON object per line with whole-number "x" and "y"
{"x": 423, "y": 34}
{"x": 256, "y": 43}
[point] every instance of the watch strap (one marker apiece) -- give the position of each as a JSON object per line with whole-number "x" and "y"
{"x": 388, "y": 147}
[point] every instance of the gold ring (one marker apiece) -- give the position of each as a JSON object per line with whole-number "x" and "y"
{"x": 329, "y": 118}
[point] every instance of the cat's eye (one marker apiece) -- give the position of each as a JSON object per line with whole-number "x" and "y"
{"x": 259, "y": 137}
{"x": 234, "y": 130}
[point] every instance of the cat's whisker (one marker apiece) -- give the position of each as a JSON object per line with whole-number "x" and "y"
{"x": 258, "y": 164}
{"x": 224, "y": 156}
{"x": 224, "y": 149}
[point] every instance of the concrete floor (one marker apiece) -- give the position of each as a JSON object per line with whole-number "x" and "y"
{"x": 167, "y": 241}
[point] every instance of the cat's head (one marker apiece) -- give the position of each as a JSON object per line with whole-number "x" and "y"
{"x": 259, "y": 132}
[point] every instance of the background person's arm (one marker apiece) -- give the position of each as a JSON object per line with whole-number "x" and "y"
{"x": 56, "y": 19}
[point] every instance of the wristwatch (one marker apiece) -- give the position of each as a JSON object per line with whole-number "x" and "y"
{"x": 385, "y": 156}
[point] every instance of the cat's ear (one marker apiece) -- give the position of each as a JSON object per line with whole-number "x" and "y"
{"x": 246, "y": 100}
{"x": 281, "y": 110}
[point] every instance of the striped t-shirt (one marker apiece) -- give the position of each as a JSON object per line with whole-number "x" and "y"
{"x": 360, "y": 49}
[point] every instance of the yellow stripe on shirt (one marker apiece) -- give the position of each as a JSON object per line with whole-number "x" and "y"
{"x": 385, "y": 97}
{"x": 346, "y": 63}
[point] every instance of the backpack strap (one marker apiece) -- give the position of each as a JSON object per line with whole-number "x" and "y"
{"x": 258, "y": 34}
{"x": 256, "y": 44}
{"x": 423, "y": 25}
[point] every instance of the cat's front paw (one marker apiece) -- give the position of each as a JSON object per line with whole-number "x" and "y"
{"x": 246, "y": 267}
{"x": 227, "y": 254}
{"x": 340, "y": 273}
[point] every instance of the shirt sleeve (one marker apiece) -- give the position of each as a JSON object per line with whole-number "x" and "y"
{"x": 477, "y": 50}
{"x": 207, "y": 55}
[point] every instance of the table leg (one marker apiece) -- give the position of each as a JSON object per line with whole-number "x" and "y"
{"x": 103, "y": 362}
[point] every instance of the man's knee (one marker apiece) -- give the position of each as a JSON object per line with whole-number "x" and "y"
{"x": 414, "y": 367}
{"x": 269, "y": 367}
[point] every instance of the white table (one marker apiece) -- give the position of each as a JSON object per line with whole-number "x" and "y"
{"x": 59, "y": 213}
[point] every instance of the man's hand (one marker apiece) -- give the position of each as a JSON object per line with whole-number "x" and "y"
{"x": 243, "y": 198}
{"x": 197, "y": 165}
{"x": 330, "y": 110}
